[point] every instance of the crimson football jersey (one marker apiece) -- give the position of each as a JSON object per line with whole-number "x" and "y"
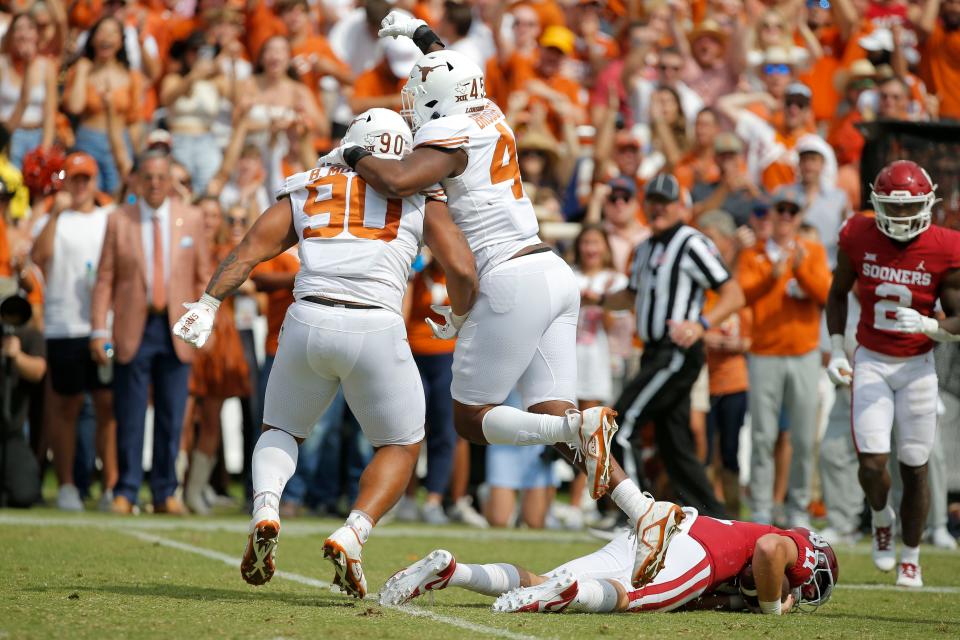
{"x": 893, "y": 274}
{"x": 730, "y": 544}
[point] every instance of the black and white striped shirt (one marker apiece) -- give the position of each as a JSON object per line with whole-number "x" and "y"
{"x": 669, "y": 274}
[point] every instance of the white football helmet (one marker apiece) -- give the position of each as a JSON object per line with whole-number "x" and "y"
{"x": 382, "y": 132}
{"x": 442, "y": 83}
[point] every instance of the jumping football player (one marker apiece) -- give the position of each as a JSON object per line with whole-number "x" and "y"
{"x": 345, "y": 329}
{"x": 710, "y": 564}
{"x": 522, "y": 330}
{"x": 901, "y": 265}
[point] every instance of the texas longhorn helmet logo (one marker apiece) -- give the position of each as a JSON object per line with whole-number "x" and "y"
{"x": 425, "y": 71}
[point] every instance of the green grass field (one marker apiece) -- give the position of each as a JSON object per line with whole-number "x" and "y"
{"x": 100, "y": 576}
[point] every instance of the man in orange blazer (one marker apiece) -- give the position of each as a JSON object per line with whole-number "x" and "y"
{"x": 154, "y": 259}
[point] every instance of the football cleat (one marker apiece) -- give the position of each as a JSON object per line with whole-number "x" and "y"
{"x": 654, "y": 531}
{"x": 908, "y": 575}
{"x": 259, "y": 558}
{"x": 343, "y": 550}
{"x": 883, "y": 549}
{"x": 431, "y": 573}
{"x": 552, "y": 596}
{"x": 597, "y": 427}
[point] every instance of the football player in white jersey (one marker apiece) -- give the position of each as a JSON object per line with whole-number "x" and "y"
{"x": 522, "y": 331}
{"x": 345, "y": 329}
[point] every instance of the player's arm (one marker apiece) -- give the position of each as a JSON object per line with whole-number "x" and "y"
{"x": 398, "y": 23}
{"x": 772, "y": 556}
{"x": 419, "y": 171}
{"x": 839, "y": 369}
{"x": 449, "y": 248}
{"x": 272, "y": 234}
{"x": 615, "y": 301}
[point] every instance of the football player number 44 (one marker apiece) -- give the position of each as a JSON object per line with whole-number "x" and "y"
{"x": 505, "y": 166}
{"x": 338, "y": 203}
{"x": 885, "y": 310}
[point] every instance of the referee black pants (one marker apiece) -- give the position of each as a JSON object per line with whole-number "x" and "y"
{"x": 660, "y": 393}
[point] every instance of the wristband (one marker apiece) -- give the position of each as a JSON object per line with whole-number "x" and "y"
{"x": 424, "y": 38}
{"x": 704, "y": 322}
{"x": 353, "y": 155}
{"x": 98, "y": 334}
{"x": 208, "y": 300}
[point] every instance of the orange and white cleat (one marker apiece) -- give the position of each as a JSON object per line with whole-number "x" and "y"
{"x": 654, "y": 531}
{"x": 343, "y": 549}
{"x": 597, "y": 428}
{"x": 259, "y": 558}
{"x": 552, "y": 596}
{"x": 430, "y": 573}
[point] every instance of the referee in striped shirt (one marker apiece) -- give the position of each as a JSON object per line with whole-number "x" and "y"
{"x": 669, "y": 274}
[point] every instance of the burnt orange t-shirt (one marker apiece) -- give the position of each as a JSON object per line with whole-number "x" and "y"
{"x": 429, "y": 287}
{"x": 377, "y": 82}
{"x": 785, "y": 323}
{"x": 728, "y": 371}
{"x": 278, "y": 300}
{"x": 941, "y": 68}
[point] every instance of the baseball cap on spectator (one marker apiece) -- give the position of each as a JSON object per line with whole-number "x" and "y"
{"x": 880, "y": 39}
{"x": 160, "y": 138}
{"x": 401, "y": 54}
{"x": 798, "y": 93}
{"x": 809, "y": 144}
{"x": 625, "y": 184}
{"x": 80, "y": 164}
{"x": 727, "y": 143}
{"x": 789, "y": 194}
{"x": 625, "y": 138}
{"x": 664, "y": 187}
{"x": 558, "y": 37}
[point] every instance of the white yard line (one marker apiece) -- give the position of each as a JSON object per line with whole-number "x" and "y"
{"x": 320, "y": 584}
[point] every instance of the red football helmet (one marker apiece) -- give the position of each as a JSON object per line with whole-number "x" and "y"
{"x": 815, "y": 592}
{"x": 903, "y": 197}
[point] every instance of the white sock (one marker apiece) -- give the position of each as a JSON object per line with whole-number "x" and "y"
{"x": 508, "y": 425}
{"x": 884, "y": 517}
{"x": 488, "y": 579}
{"x": 910, "y": 555}
{"x": 631, "y": 500}
{"x": 595, "y": 596}
{"x": 361, "y": 523}
{"x": 274, "y": 462}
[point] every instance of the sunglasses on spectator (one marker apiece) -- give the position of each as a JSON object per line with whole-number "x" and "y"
{"x": 787, "y": 209}
{"x": 760, "y": 212}
{"x": 776, "y": 69}
{"x": 801, "y": 103}
{"x": 235, "y": 220}
{"x": 618, "y": 196}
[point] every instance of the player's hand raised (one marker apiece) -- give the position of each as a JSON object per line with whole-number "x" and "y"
{"x": 398, "y": 24}
{"x": 194, "y": 327}
{"x": 335, "y": 157}
{"x": 452, "y": 322}
{"x": 912, "y": 321}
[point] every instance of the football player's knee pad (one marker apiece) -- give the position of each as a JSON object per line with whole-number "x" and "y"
{"x": 914, "y": 454}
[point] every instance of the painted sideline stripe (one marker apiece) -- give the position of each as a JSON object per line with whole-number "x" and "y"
{"x": 210, "y": 554}
{"x": 893, "y": 587}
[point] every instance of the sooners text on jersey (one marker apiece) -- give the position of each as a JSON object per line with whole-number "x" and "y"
{"x": 893, "y": 274}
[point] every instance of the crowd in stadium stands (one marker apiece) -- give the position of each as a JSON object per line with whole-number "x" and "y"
{"x": 114, "y": 112}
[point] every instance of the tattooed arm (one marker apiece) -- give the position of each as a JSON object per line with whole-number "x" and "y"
{"x": 272, "y": 234}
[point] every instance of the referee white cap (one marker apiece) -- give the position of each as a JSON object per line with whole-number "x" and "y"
{"x": 664, "y": 187}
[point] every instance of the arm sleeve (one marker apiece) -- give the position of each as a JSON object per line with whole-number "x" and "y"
{"x": 705, "y": 265}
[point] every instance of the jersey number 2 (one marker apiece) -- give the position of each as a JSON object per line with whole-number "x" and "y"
{"x": 885, "y": 310}
{"x": 505, "y": 166}
{"x": 340, "y": 202}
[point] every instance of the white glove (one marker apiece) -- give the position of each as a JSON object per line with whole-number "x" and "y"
{"x": 336, "y": 155}
{"x": 194, "y": 327}
{"x": 912, "y": 321}
{"x": 398, "y": 23}
{"x": 839, "y": 370}
{"x": 452, "y": 325}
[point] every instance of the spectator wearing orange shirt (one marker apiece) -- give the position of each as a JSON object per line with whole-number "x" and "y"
{"x": 103, "y": 70}
{"x": 313, "y": 58}
{"x": 434, "y": 358}
{"x": 771, "y": 158}
{"x": 939, "y": 31}
{"x": 381, "y": 85}
{"x": 726, "y": 345}
{"x": 785, "y": 281}
{"x": 593, "y": 49}
{"x": 732, "y": 190}
{"x": 699, "y": 164}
